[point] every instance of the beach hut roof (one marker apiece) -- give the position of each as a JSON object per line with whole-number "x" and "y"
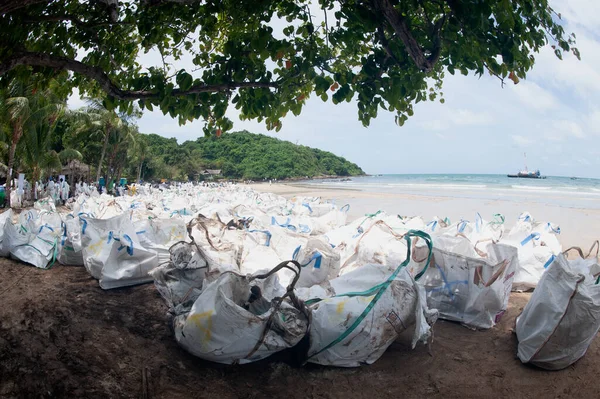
{"x": 75, "y": 166}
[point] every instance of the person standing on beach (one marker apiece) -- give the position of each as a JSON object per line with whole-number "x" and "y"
{"x": 64, "y": 191}
{"x": 52, "y": 189}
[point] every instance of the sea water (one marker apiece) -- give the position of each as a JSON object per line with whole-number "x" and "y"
{"x": 554, "y": 190}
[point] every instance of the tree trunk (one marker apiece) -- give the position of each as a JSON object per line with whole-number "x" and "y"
{"x": 11, "y": 162}
{"x": 71, "y": 175}
{"x": 102, "y": 155}
{"x": 139, "y": 177}
{"x": 109, "y": 174}
{"x": 119, "y": 171}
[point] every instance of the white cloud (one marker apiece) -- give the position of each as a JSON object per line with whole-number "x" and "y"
{"x": 521, "y": 140}
{"x": 464, "y": 117}
{"x": 584, "y": 161}
{"x": 533, "y": 96}
{"x": 451, "y": 118}
{"x": 593, "y": 121}
{"x": 570, "y": 128}
{"x": 579, "y": 12}
{"x": 434, "y": 124}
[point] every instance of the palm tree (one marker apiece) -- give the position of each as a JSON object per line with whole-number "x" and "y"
{"x": 121, "y": 141}
{"x": 141, "y": 154}
{"x": 113, "y": 128}
{"x": 26, "y": 109}
{"x": 37, "y": 139}
{"x": 98, "y": 122}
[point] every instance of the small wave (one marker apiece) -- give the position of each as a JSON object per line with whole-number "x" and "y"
{"x": 531, "y": 187}
{"x": 439, "y": 185}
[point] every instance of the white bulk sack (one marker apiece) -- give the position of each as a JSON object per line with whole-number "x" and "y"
{"x": 69, "y": 248}
{"x": 284, "y": 242}
{"x": 5, "y": 217}
{"x": 113, "y": 254}
{"x": 318, "y": 260}
{"x": 41, "y": 251}
{"x": 352, "y": 231}
{"x": 221, "y": 246}
{"x": 371, "y": 307}
{"x": 331, "y": 220}
{"x": 180, "y": 281}
{"x": 562, "y": 317}
{"x": 159, "y": 235}
{"x": 229, "y": 323}
{"x": 45, "y": 204}
{"x": 480, "y": 229}
{"x": 379, "y": 244}
{"x": 14, "y": 235}
{"x": 261, "y": 257}
{"x": 469, "y": 285}
{"x": 298, "y": 224}
{"x": 537, "y": 247}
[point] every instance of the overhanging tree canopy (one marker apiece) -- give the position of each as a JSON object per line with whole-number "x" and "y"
{"x": 387, "y": 54}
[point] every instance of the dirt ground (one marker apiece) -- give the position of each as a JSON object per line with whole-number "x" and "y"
{"x": 63, "y": 336}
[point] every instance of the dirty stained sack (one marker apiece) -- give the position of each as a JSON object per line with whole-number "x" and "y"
{"x": 470, "y": 283}
{"x": 222, "y": 326}
{"x": 357, "y": 324}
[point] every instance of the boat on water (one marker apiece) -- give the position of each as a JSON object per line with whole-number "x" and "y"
{"x": 526, "y": 174}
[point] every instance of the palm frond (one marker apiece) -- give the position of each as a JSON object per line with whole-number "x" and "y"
{"x": 69, "y": 154}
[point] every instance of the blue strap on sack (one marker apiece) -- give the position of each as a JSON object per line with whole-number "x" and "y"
{"x": 317, "y": 257}
{"x": 532, "y": 236}
{"x": 285, "y": 224}
{"x": 129, "y": 246}
{"x": 549, "y": 261}
{"x": 267, "y": 232}
{"x": 433, "y": 223}
{"x": 550, "y": 228}
{"x": 47, "y": 227}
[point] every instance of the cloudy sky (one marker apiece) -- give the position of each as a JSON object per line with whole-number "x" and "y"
{"x": 553, "y": 116}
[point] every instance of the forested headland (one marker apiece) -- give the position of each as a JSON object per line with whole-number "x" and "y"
{"x": 241, "y": 155}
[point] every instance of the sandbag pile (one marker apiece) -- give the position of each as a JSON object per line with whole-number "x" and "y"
{"x": 247, "y": 274}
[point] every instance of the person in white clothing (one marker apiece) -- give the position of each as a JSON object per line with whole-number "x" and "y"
{"x": 37, "y": 190}
{"x": 64, "y": 191}
{"x": 52, "y": 189}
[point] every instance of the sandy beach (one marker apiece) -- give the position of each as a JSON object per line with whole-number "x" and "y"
{"x": 579, "y": 226}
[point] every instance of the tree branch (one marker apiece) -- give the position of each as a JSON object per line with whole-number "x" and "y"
{"x": 98, "y": 74}
{"x": 400, "y": 26}
{"x": 385, "y": 44}
{"x": 8, "y": 6}
{"x": 74, "y": 20}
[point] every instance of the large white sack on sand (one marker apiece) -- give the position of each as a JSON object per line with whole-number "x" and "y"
{"x": 469, "y": 284}
{"x": 238, "y": 319}
{"x": 562, "y": 317}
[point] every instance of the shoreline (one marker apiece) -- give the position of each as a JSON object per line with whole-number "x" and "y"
{"x": 580, "y": 226}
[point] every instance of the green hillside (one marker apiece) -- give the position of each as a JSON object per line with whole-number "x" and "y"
{"x": 241, "y": 155}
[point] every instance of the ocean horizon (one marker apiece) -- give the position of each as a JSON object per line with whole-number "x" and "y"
{"x": 553, "y": 190}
